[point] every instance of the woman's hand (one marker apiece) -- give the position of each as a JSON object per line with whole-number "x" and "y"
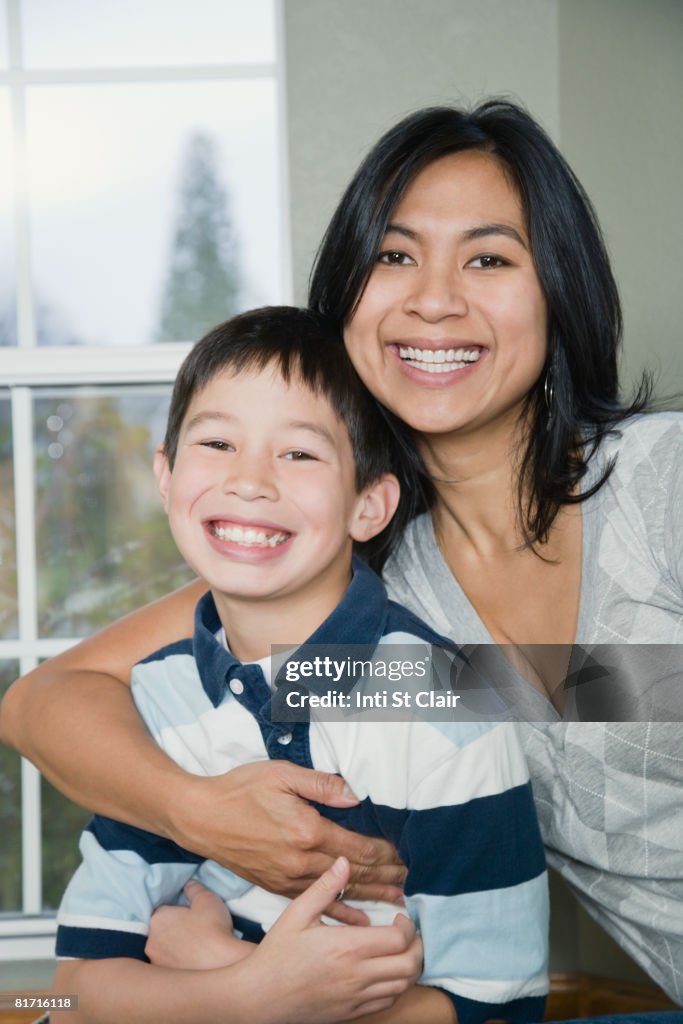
{"x": 198, "y": 937}
{"x": 256, "y": 819}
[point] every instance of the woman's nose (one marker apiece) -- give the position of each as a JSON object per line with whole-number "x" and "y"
{"x": 437, "y": 291}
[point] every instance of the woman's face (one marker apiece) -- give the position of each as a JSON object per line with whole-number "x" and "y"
{"x": 450, "y": 332}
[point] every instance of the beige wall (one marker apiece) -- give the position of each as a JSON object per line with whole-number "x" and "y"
{"x": 621, "y": 126}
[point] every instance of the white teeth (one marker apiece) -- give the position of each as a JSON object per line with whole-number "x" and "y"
{"x": 249, "y": 536}
{"x": 439, "y": 360}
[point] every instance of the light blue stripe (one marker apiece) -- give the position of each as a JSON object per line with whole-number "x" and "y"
{"x": 121, "y": 885}
{"x": 498, "y": 934}
{"x": 169, "y": 693}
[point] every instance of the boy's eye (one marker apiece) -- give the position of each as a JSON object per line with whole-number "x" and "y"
{"x": 219, "y": 446}
{"x": 487, "y": 261}
{"x": 394, "y": 258}
{"x": 296, "y": 455}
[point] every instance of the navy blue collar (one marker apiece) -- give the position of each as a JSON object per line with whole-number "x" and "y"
{"x": 359, "y": 618}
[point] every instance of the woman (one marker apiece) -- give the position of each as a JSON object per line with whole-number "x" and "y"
{"x": 467, "y": 270}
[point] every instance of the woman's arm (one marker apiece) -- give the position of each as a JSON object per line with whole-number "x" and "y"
{"x": 76, "y": 721}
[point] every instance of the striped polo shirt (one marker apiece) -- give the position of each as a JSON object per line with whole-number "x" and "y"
{"x": 453, "y": 796}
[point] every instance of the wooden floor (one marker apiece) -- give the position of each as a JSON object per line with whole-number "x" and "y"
{"x": 585, "y": 995}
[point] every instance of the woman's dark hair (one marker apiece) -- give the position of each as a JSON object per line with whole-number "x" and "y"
{"x": 307, "y": 346}
{"x": 575, "y": 402}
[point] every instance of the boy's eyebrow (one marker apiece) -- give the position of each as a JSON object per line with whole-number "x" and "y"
{"x": 471, "y": 234}
{"x": 208, "y": 415}
{"x": 205, "y": 416}
{"x": 312, "y": 428}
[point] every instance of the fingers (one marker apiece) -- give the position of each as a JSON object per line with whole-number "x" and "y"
{"x": 373, "y": 860}
{"x": 339, "y": 911}
{"x": 307, "y": 908}
{"x": 322, "y": 787}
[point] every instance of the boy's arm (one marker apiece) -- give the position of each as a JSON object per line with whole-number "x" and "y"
{"x": 200, "y": 937}
{"x": 281, "y": 982}
{"x": 74, "y": 718}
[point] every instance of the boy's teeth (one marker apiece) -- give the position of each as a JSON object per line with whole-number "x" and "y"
{"x": 440, "y": 360}
{"x": 248, "y": 535}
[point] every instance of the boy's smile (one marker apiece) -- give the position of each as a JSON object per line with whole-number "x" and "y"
{"x": 261, "y": 499}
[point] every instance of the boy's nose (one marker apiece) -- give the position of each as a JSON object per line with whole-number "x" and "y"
{"x": 250, "y": 478}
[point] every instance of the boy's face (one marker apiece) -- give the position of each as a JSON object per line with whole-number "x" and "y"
{"x": 261, "y": 499}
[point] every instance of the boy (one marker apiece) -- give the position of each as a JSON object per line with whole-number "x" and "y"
{"x": 275, "y": 463}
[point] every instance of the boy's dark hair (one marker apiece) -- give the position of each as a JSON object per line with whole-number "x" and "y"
{"x": 307, "y": 346}
{"x": 584, "y": 315}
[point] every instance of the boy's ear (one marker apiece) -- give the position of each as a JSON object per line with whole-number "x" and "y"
{"x": 162, "y": 472}
{"x": 374, "y": 508}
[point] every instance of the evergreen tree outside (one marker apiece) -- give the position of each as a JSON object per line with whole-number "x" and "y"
{"x": 202, "y": 284}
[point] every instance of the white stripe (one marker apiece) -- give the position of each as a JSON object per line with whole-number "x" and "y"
{"x": 216, "y": 742}
{"x": 492, "y": 991}
{"x": 418, "y": 765}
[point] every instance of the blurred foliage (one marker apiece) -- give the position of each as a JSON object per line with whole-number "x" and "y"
{"x": 103, "y": 543}
{"x": 10, "y": 811}
{"x": 8, "y": 554}
{"x": 202, "y": 283}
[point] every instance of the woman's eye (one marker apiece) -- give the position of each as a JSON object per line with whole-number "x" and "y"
{"x": 394, "y": 258}
{"x": 296, "y": 455}
{"x": 487, "y": 261}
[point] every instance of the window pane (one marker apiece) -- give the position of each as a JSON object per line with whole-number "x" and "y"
{"x": 10, "y": 811}
{"x": 154, "y": 208}
{"x": 3, "y": 35}
{"x": 62, "y": 826}
{"x": 103, "y": 544}
{"x": 127, "y": 33}
{"x": 8, "y": 327}
{"x": 8, "y": 550}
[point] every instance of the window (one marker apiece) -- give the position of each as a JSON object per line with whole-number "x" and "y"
{"x": 142, "y": 200}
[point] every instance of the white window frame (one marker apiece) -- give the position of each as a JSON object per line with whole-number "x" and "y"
{"x": 26, "y": 367}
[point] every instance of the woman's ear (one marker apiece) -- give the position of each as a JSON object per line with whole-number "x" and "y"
{"x": 162, "y": 472}
{"x": 374, "y": 507}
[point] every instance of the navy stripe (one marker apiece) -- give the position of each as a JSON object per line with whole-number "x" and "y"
{"x": 401, "y": 620}
{"x": 99, "y": 943}
{"x": 517, "y": 1011}
{"x": 434, "y": 843}
{"x": 507, "y": 850}
{"x": 251, "y": 930}
{"x": 113, "y": 835}
{"x": 178, "y": 647}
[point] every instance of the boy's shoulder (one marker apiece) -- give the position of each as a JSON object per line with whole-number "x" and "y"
{"x": 178, "y": 648}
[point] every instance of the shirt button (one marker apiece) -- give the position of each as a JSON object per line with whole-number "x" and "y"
{"x": 285, "y": 740}
{"x": 237, "y": 686}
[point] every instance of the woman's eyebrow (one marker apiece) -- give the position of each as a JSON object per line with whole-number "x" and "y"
{"x": 484, "y": 230}
{"x": 399, "y": 229}
{"x": 471, "y": 234}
